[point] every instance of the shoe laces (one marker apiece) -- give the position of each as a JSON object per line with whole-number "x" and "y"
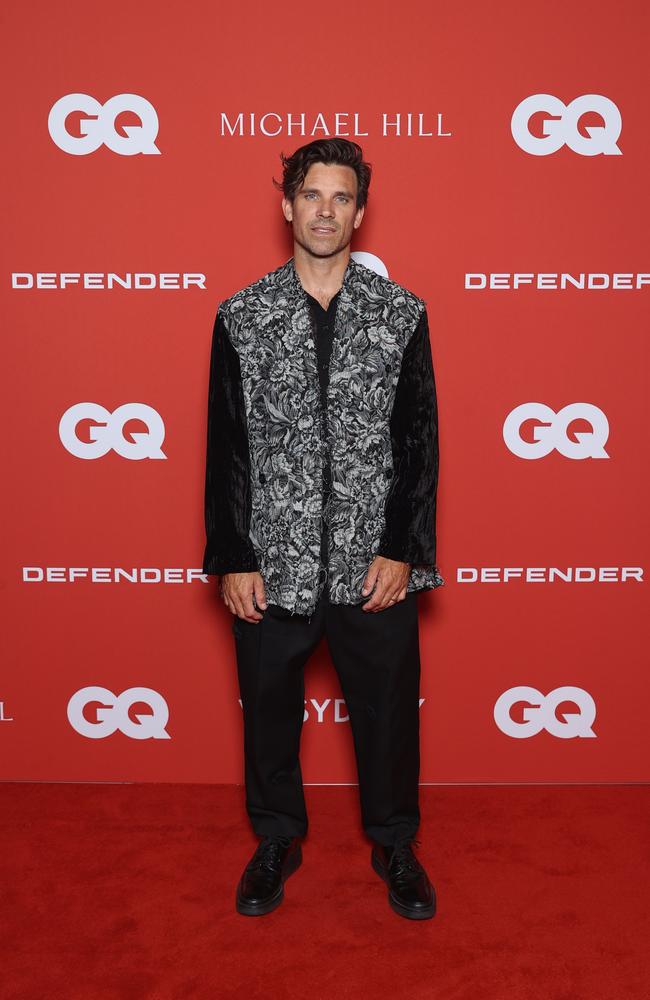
{"x": 268, "y": 852}
{"x": 402, "y": 860}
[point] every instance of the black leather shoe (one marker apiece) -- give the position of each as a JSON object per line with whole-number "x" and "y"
{"x": 260, "y": 888}
{"x": 410, "y": 892}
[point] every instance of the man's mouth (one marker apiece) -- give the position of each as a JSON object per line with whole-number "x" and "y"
{"x": 323, "y": 229}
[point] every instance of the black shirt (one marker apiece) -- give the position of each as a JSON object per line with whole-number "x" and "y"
{"x": 324, "y": 320}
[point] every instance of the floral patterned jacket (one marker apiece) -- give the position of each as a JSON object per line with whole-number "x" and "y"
{"x": 269, "y": 439}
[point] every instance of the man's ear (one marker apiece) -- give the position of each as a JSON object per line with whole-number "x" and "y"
{"x": 287, "y": 209}
{"x": 359, "y": 216}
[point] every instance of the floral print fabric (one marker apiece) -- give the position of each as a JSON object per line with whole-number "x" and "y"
{"x": 379, "y": 431}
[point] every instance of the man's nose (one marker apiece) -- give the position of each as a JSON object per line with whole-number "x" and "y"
{"x": 326, "y": 209}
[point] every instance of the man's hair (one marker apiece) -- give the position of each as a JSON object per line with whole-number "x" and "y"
{"x": 328, "y": 151}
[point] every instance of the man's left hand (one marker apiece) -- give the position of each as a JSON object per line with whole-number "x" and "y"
{"x": 391, "y": 579}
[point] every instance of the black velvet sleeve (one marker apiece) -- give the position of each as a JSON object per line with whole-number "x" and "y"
{"x": 410, "y": 531}
{"x": 227, "y": 475}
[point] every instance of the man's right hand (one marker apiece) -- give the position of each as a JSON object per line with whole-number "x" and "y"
{"x": 238, "y": 590}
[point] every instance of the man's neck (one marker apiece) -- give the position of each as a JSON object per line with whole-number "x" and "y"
{"x": 321, "y": 277}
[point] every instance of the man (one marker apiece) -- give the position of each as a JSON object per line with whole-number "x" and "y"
{"x": 320, "y": 504}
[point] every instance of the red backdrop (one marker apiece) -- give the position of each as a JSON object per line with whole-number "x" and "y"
{"x": 161, "y": 186}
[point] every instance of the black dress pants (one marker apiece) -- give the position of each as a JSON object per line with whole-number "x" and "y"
{"x": 377, "y": 659}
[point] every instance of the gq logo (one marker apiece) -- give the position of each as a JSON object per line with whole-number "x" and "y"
{"x": 541, "y": 713}
{"x": 551, "y": 432}
{"x": 561, "y": 127}
{"x": 113, "y": 714}
{"x": 98, "y": 126}
{"x": 107, "y": 431}
{"x": 371, "y": 261}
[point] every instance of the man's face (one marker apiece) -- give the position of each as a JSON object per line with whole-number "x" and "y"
{"x": 324, "y": 213}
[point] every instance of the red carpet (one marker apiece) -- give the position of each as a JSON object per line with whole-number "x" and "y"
{"x": 126, "y": 892}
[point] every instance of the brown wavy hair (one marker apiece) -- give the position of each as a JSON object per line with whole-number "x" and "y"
{"x": 328, "y": 151}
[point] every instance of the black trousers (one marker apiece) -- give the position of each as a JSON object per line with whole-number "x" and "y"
{"x": 377, "y": 659}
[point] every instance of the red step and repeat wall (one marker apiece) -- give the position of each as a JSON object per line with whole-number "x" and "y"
{"x": 510, "y": 152}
